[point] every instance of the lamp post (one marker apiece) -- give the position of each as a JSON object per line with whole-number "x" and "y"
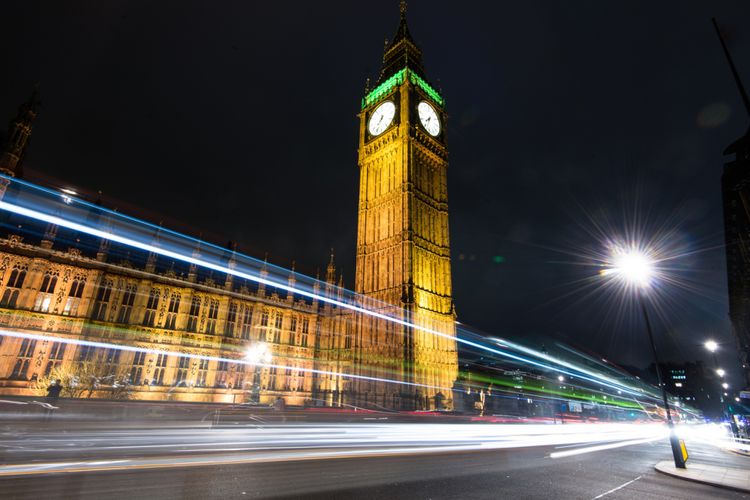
{"x": 712, "y": 347}
{"x": 634, "y": 268}
{"x": 257, "y": 354}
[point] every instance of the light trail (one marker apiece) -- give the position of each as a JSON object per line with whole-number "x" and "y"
{"x": 613, "y": 383}
{"x": 111, "y": 236}
{"x": 128, "y": 348}
{"x": 157, "y": 448}
{"x": 601, "y": 447}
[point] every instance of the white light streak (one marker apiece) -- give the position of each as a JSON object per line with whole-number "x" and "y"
{"x": 109, "y": 235}
{"x": 591, "y": 449}
{"x": 106, "y": 345}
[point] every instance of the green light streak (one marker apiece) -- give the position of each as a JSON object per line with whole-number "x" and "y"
{"x": 387, "y": 86}
{"x": 571, "y": 393}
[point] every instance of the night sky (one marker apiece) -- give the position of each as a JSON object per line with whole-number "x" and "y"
{"x": 237, "y": 120}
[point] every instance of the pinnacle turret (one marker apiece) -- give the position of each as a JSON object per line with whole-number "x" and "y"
{"x": 19, "y": 132}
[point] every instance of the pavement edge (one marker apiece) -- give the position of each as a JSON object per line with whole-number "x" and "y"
{"x": 666, "y": 467}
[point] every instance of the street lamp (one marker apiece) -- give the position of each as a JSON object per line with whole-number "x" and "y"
{"x": 635, "y": 269}
{"x": 711, "y": 345}
{"x": 712, "y": 348}
{"x": 257, "y": 354}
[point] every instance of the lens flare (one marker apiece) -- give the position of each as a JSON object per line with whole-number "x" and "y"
{"x": 632, "y": 266}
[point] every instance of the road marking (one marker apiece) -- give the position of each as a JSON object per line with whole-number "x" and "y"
{"x": 618, "y": 488}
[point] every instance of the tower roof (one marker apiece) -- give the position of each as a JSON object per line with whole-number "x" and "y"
{"x": 402, "y": 60}
{"x": 401, "y": 52}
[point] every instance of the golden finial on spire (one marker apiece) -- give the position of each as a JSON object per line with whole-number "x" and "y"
{"x": 402, "y": 8}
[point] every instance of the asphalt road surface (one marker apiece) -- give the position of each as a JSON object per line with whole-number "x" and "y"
{"x": 518, "y": 473}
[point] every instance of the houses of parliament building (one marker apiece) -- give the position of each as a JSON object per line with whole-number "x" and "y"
{"x": 322, "y": 354}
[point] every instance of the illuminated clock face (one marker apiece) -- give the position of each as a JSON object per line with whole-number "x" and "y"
{"x": 429, "y": 118}
{"x": 382, "y": 118}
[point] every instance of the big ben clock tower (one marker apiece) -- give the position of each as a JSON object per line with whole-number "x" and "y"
{"x": 403, "y": 249}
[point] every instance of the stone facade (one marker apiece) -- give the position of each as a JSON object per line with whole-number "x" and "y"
{"x": 70, "y": 295}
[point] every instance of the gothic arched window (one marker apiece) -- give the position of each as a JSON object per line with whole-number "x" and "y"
{"x": 74, "y": 296}
{"x": 46, "y": 291}
{"x": 231, "y": 319}
{"x": 195, "y": 309}
{"x": 149, "y": 318}
{"x": 213, "y": 314}
{"x": 126, "y": 306}
{"x": 13, "y": 287}
{"x": 174, "y": 306}
{"x": 101, "y": 303}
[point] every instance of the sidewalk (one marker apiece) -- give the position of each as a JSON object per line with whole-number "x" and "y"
{"x": 724, "y": 477}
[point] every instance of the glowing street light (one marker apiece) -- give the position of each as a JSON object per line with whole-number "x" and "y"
{"x": 631, "y": 266}
{"x": 561, "y": 378}
{"x": 635, "y": 269}
{"x": 257, "y": 354}
{"x": 711, "y": 345}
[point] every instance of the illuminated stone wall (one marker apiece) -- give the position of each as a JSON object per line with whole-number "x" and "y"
{"x": 66, "y": 294}
{"x": 403, "y": 257}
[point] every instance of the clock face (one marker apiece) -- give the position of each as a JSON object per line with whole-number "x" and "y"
{"x": 381, "y": 118}
{"x": 429, "y": 118}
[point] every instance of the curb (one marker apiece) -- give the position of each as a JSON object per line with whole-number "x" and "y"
{"x": 700, "y": 481}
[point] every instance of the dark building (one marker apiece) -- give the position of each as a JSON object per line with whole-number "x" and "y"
{"x": 695, "y": 386}
{"x": 691, "y": 383}
{"x": 735, "y": 188}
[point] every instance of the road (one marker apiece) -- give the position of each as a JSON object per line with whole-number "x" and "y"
{"x": 341, "y": 471}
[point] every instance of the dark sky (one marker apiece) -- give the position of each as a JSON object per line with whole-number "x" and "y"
{"x": 238, "y": 120}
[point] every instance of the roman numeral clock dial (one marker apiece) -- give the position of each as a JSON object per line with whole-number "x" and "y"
{"x": 381, "y": 118}
{"x": 429, "y": 118}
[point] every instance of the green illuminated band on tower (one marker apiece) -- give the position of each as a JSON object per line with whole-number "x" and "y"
{"x": 425, "y": 86}
{"x": 384, "y": 88}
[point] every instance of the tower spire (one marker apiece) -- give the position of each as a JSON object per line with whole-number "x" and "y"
{"x": 19, "y": 132}
{"x": 401, "y": 51}
{"x": 331, "y": 270}
{"x": 736, "y": 75}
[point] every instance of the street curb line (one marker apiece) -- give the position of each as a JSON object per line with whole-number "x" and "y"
{"x": 709, "y": 483}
